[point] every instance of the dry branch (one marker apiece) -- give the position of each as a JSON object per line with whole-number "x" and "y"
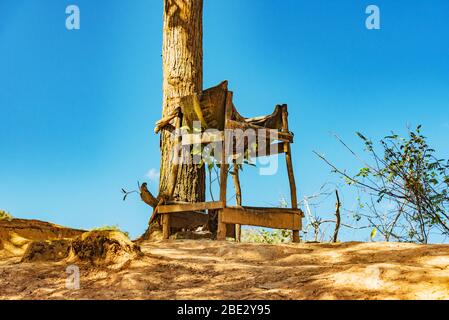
{"x": 147, "y": 196}
{"x": 337, "y": 216}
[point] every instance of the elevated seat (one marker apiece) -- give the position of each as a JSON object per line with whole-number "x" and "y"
{"x": 214, "y": 109}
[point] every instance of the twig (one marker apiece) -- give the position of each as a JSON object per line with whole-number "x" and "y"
{"x": 337, "y": 216}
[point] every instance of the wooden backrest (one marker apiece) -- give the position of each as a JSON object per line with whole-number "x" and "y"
{"x": 207, "y": 108}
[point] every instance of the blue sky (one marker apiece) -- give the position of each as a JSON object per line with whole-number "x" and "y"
{"x": 77, "y": 108}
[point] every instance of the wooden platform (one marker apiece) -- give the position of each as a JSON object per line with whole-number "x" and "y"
{"x": 229, "y": 217}
{"x": 188, "y": 207}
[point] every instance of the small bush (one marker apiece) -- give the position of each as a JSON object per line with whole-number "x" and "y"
{"x": 111, "y": 228}
{"x": 5, "y": 216}
{"x": 266, "y": 236}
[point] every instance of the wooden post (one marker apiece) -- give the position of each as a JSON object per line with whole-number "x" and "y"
{"x": 238, "y": 198}
{"x": 221, "y": 231}
{"x": 291, "y": 176}
{"x": 165, "y": 226}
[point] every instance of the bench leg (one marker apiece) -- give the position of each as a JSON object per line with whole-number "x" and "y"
{"x": 296, "y": 238}
{"x": 165, "y": 226}
{"x": 221, "y": 232}
{"x": 238, "y": 233}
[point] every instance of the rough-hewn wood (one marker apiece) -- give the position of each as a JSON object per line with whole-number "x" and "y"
{"x": 261, "y": 218}
{"x": 187, "y": 207}
{"x": 270, "y": 210}
{"x": 271, "y": 121}
{"x": 147, "y": 196}
{"x": 165, "y": 122}
{"x": 224, "y": 166}
{"x": 207, "y": 107}
{"x": 238, "y": 198}
{"x": 165, "y": 226}
{"x": 182, "y": 55}
{"x": 291, "y": 176}
{"x": 221, "y": 232}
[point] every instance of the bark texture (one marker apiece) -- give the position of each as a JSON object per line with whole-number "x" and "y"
{"x": 182, "y": 55}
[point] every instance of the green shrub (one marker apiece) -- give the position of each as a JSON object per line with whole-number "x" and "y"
{"x": 111, "y": 228}
{"x": 5, "y": 216}
{"x": 261, "y": 235}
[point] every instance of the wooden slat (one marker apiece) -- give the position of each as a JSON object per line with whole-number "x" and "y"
{"x": 186, "y": 207}
{"x": 262, "y": 218}
{"x": 271, "y": 210}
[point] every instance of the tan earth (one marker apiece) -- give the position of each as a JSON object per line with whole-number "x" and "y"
{"x": 204, "y": 269}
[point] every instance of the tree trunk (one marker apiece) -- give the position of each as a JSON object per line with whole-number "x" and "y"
{"x": 182, "y": 58}
{"x": 182, "y": 55}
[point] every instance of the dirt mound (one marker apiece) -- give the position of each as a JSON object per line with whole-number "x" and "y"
{"x": 51, "y": 251}
{"x": 17, "y": 234}
{"x": 104, "y": 248}
{"x": 96, "y": 247}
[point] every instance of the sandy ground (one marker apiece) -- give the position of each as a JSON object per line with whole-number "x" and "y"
{"x": 224, "y": 270}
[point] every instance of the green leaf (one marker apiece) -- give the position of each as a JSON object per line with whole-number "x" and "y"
{"x": 196, "y": 151}
{"x": 373, "y": 234}
{"x": 210, "y": 166}
{"x": 361, "y": 136}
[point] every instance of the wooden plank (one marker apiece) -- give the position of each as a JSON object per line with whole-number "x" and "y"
{"x": 186, "y": 207}
{"x": 270, "y": 210}
{"x": 262, "y": 218}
